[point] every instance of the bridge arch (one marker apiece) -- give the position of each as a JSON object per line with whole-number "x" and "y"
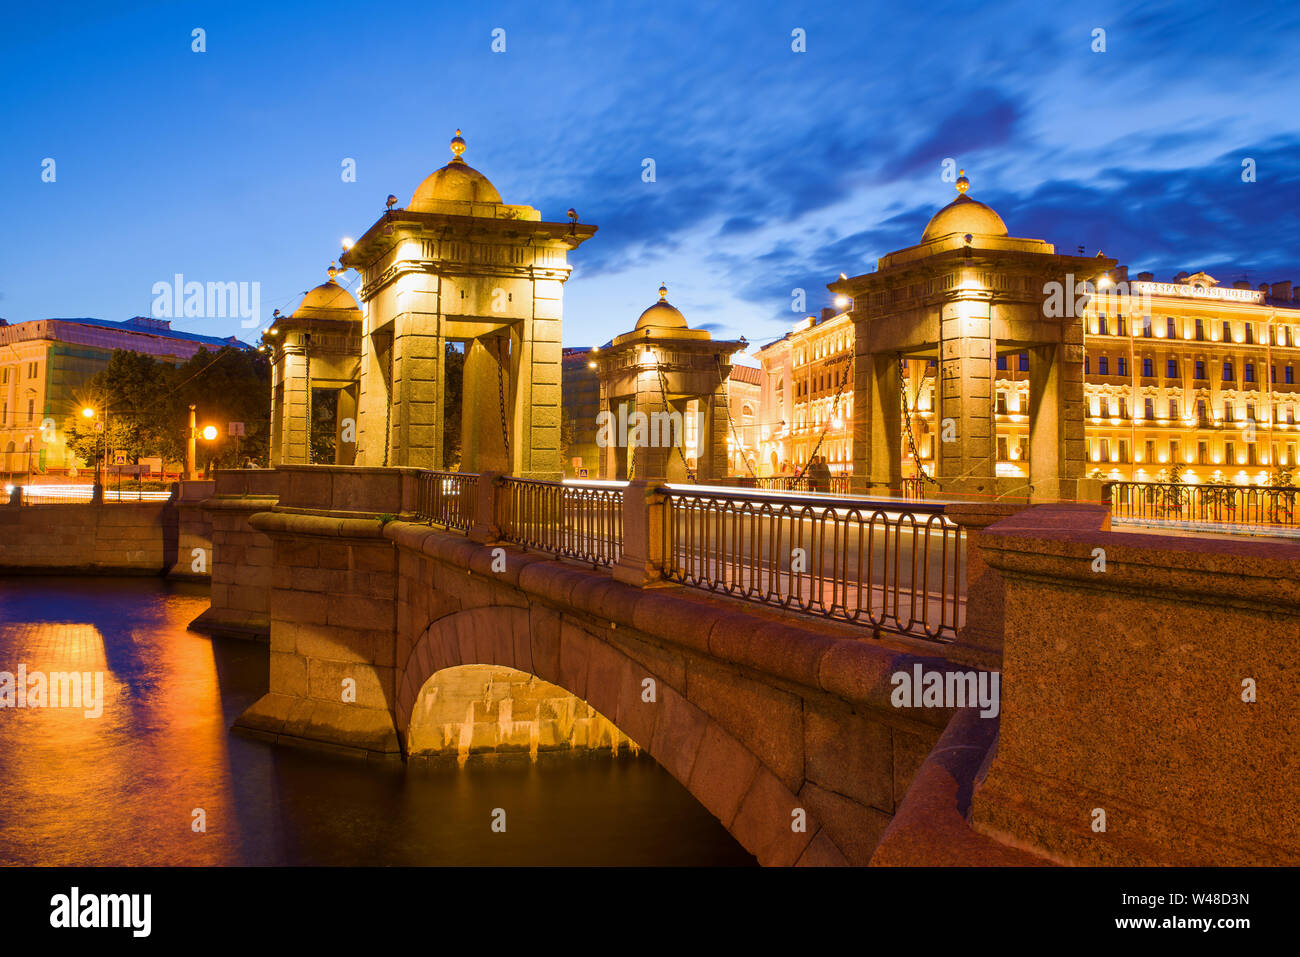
{"x": 719, "y": 771}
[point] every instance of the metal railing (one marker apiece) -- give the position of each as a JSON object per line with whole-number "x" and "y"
{"x": 1261, "y": 505}
{"x": 793, "y": 483}
{"x": 891, "y": 565}
{"x": 570, "y": 520}
{"x": 446, "y": 498}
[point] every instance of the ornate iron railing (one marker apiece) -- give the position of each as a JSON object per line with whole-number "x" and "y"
{"x": 570, "y": 520}
{"x": 446, "y": 498}
{"x": 1260, "y": 505}
{"x": 885, "y": 564}
{"x": 792, "y": 483}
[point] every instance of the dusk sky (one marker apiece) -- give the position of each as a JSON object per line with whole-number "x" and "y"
{"x": 774, "y": 169}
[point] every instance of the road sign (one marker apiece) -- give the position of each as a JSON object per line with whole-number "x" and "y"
{"x": 582, "y": 473}
{"x": 119, "y": 458}
{"x": 99, "y": 426}
{"x": 235, "y": 428}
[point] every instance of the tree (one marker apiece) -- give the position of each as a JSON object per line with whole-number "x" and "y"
{"x": 146, "y": 404}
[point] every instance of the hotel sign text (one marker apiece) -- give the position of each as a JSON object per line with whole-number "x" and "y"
{"x": 1198, "y": 292}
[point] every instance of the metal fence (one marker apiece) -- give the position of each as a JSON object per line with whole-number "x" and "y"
{"x": 66, "y": 494}
{"x": 793, "y": 483}
{"x": 1260, "y": 505}
{"x": 446, "y": 498}
{"x": 892, "y": 565}
{"x": 574, "y": 521}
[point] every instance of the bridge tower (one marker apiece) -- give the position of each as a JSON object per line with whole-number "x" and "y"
{"x": 459, "y": 266}
{"x": 316, "y": 348}
{"x": 670, "y": 382}
{"x": 966, "y": 294}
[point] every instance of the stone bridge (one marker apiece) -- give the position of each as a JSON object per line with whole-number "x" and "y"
{"x": 782, "y": 725}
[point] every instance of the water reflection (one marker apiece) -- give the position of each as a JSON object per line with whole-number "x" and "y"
{"x": 123, "y": 788}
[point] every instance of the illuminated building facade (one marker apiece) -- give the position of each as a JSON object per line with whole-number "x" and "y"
{"x": 45, "y": 368}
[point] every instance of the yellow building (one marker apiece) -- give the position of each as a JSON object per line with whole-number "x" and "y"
{"x": 45, "y": 366}
{"x": 1190, "y": 388}
{"x": 1189, "y": 375}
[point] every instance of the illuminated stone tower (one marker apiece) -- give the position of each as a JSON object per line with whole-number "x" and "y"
{"x": 460, "y": 266}
{"x": 967, "y": 293}
{"x": 675, "y": 378}
{"x": 316, "y": 348}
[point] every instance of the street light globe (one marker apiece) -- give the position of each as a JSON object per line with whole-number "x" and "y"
{"x": 209, "y": 432}
{"x": 88, "y": 412}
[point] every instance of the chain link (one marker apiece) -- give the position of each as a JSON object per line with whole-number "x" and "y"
{"x": 826, "y": 428}
{"x": 501, "y": 398}
{"x": 907, "y": 420}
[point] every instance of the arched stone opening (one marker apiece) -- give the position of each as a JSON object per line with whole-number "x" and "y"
{"x": 720, "y": 772}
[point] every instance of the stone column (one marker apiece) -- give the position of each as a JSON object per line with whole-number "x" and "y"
{"x": 416, "y": 415}
{"x": 712, "y": 443}
{"x": 878, "y": 428}
{"x": 293, "y": 426}
{"x": 966, "y": 463}
{"x": 650, "y": 460}
{"x": 537, "y": 371}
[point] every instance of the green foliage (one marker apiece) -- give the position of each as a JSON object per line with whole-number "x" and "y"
{"x": 146, "y": 403}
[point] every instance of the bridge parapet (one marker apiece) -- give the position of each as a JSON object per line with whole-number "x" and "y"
{"x": 1148, "y": 711}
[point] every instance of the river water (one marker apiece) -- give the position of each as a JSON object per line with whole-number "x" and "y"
{"x": 128, "y": 786}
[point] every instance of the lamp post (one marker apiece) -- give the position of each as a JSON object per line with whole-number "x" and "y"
{"x": 189, "y": 448}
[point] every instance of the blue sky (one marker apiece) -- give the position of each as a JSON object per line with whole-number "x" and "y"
{"x": 774, "y": 169}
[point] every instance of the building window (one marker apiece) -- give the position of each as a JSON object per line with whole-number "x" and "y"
{"x": 1200, "y": 330}
{"x": 1150, "y": 409}
{"x": 1227, "y": 411}
{"x": 1148, "y": 367}
{"x": 1123, "y": 408}
{"x": 1200, "y": 368}
{"x": 1104, "y": 446}
{"x": 1002, "y": 363}
{"x": 1174, "y": 449}
{"x": 1250, "y": 337}
{"x": 1002, "y": 403}
{"x": 1101, "y": 326}
{"x": 1201, "y": 415}
{"x": 1250, "y": 411}
{"x": 31, "y": 411}
{"x": 1103, "y": 365}
{"x": 1289, "y": 372}
{"x": 1002, "y": 448}
{"x": 1150, "y": 454}
{"x": 1120, "y": 329}
{"x": 1087, "y": 365}
{"x": 5, "y": 374}
{"x": 1173, "y": 408}
{"x": 1171, "y": 369}
{"x": 1251, "y": 454}
{"x": 1229, "y": 453}
{"x": 1024, "y": 362}
{"x": 1250, "y": 372}
{"x": 1227, "y": 331}
{"x": 1121, "y": 366}
{"x": 1202, "y": 453}
{"x": 1171, "y": 328}
{"x": 1227, "y": 371}
{"x": 1146, "y": 326}
{"x": 1123, "y": 450}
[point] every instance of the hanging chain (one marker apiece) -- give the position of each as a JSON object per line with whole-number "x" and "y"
{"x": 826, "y": 428}
{"x": 663, "y": 391}
{"x": 907, "y": 420}
{"x": 726, "y": 401}
{"x": 501, "y": 395}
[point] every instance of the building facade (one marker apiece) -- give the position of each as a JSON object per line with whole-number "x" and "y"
{"x": 1189, "y": 379}
{"x": 45, "y": 370}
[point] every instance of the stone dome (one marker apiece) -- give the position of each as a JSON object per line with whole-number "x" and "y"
{"x": 329, "y": 300}
{"x": 964, "y": 215}
{"x": 456, "y": 182}
{"x": 662, "y": 315}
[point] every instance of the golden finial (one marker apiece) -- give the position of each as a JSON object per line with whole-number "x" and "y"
{"x": 963, "y": 183}
{"x": 457, "y": 147}
{"x": 333, "y": 270}
{"x": 663, "y": 292}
